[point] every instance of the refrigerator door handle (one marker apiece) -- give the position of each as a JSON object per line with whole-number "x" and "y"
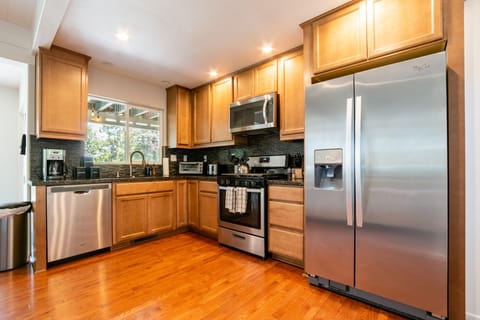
{"x": 358, "y": 163}
{"x": 348, "y": 163}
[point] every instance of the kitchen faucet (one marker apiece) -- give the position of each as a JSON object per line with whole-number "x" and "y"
{"x": 131, "y": 157}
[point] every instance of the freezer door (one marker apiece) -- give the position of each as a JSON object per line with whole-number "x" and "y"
{"x": 329, "y": 230}
{"x": 401, "y": 183}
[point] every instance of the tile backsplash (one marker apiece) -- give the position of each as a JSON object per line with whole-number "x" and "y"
{"x": 268, "y": 144}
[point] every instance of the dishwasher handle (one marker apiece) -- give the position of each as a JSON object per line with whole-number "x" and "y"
{"x": 79, "y": 189}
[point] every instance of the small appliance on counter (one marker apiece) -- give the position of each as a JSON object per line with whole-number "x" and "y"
{"x": 79, "y": 173}
{"x": 53, "y": 164}
{"x": 212, "y": 169}
{"x": 93, "y": 173}
{"x": 190, "y": 167}
{"x": 86, "y": 169}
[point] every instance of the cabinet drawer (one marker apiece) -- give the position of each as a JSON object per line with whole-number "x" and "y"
{"x": 286, "y": 243}
{"x": 293, "y": 194}
{"x": 289, "y": 215}
{"x": 143, "y": 187}
{"x": 207, "y": 186}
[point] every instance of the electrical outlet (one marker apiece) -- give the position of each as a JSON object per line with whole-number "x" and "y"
{"x": 173, "y": 158}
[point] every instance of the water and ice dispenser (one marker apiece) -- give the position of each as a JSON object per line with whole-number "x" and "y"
{"x": 328, "y": 169}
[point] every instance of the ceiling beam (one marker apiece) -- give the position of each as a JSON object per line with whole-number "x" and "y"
{"x": 48, "y": 16}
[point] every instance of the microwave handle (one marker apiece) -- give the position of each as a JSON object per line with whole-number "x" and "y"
{"x": 265, "y": 110}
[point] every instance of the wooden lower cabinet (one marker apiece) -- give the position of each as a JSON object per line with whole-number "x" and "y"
{"x": 192, "y": 203}
{"x": 182, "y": 205}
{"x": 143, "y": 208}
{"x": 208, "y": 207}
{"x": 285, "y": 223}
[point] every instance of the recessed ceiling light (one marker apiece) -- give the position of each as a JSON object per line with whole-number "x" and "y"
{"x": 213, "y": 73}
{"x": 267, "y": 48}
{"x": 122, "y": 36}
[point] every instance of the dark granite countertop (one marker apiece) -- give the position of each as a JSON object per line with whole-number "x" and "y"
{"x": 69, "y": 181}
{"x": 286, "y": 182}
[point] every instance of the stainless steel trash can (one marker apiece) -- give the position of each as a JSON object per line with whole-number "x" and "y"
{"x": 14, "y": 234}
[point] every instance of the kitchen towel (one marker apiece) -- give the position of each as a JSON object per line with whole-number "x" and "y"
{"x": 230, "y": 199}
{"x": 241, "y": 200}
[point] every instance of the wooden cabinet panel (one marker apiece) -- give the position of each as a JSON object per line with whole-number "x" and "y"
{"x": 182, "y": 203}
{"x": 62, "y": 90}
{"x": 290, "y": 194}
{"x": 161, "y": 212}
{"x": 201, "y": 115}
{"x": 130, "y": 217}
{"x": 286, "y": 243}
{"x": 208, "y": 206}
{"x": 221, "y": 99}
{"x": 243, "y": 85}
{"x": 389, "y": 31}
{"x": 192, "y": 202}
{"x": 340, "y": 38}
{"x": 265, "y": 78}
{"x": 291, "y": 89}
{"x": 285, "y": 223}
{"x": 179, "y": 117}
{"x": 143, "y": 187}
{"x": 288, "y": 215}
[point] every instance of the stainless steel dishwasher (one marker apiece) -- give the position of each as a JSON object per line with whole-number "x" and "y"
{"x": 79, "y": 219}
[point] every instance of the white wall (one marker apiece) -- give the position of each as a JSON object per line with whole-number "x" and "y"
{"x": 10, "y": 160}
{"x": 109, "y": 85}
{"x": 472, "y": 131}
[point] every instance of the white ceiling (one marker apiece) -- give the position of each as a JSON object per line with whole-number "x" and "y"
{"x": 171, "y": 42}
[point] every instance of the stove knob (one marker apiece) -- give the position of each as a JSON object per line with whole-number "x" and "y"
{"x": 221, "y": 181}
{"x": 237, "y": 183}
{"x": 252, "y": 184}
{"x": 227, "y": 182}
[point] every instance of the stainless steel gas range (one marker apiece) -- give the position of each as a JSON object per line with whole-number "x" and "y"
{"x": 243, "y": 207}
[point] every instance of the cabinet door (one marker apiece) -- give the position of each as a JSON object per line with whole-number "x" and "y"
{"x": 61, "y": 94}
{"x": 286, "y": 243}
{"x": 192, "y": 193}
{"x": 201, "y": 115}
{"x": 179, "y": 117}
{"x": 266, "y": 78}
{"x": 182, "y": 203}
{"x": 161, "y": 212}
{"x": 399, "y": 24}
{"x": 291, "y": 89}
{"x": 340, "y": 38}
{"x": 243, "y": 85}
{"x": 130, "y": 217}
{"x": 208, "y": 212}
{"x": 221, "y": 100}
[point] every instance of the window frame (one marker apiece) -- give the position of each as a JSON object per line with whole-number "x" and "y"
{"x": 162, "y": 114}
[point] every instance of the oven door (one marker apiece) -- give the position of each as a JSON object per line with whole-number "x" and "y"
{"x": 252, "y": 221}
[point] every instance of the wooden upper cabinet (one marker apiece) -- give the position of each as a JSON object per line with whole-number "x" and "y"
{"x": 370, "y": 33}
{"x": 265, "y": 78}
{"x": 243, "y": 85}
{"x": 201, "y": 115}
{"x": 340, "y": 38}
{"x": 179, "y": 117}
{"x": 398, "y": 24}
{"x": 62, "y": 91}
{"x": 291, "y": 90}
{"x": 221, "y": 99}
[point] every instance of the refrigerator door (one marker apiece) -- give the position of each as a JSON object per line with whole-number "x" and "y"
{"x": 401, "y": 182}
{"x": 329, "y": 230}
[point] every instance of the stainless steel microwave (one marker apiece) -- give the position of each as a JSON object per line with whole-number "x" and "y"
{"x": 254, "y": 115}
{"x": 192, "y": 167}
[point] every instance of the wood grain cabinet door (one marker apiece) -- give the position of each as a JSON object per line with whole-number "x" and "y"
{"x": 222, "y": 96}
{"x": 243, "y": 85}
{"x": 201, "y": 115}
{"x": 161, "y": 212}
{"x": 130, "y": 217}
{"x": 62, "y": 90}
{"x": 395, "y": 25}
{"x": 192, "y": 203}
{"x": 265, "y": 78}
{"x": 340, "y": 38}
{"x": 182, "y": 203}
{"x": 291, "y": 89}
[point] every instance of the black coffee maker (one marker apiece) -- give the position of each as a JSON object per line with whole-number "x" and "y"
{"x": 53, "y": 164}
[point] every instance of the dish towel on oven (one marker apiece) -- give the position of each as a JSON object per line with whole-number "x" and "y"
{"x": 240, "y": 200}
{"x": 230, "y": 199}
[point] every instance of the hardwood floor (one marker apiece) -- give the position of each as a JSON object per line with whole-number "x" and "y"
{"x": 185, "y": 276}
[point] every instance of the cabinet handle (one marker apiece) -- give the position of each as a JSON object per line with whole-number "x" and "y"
{"x": 238, "y": 236}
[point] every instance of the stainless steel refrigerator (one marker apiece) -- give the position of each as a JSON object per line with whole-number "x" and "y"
{"x": 376, "y": 185}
